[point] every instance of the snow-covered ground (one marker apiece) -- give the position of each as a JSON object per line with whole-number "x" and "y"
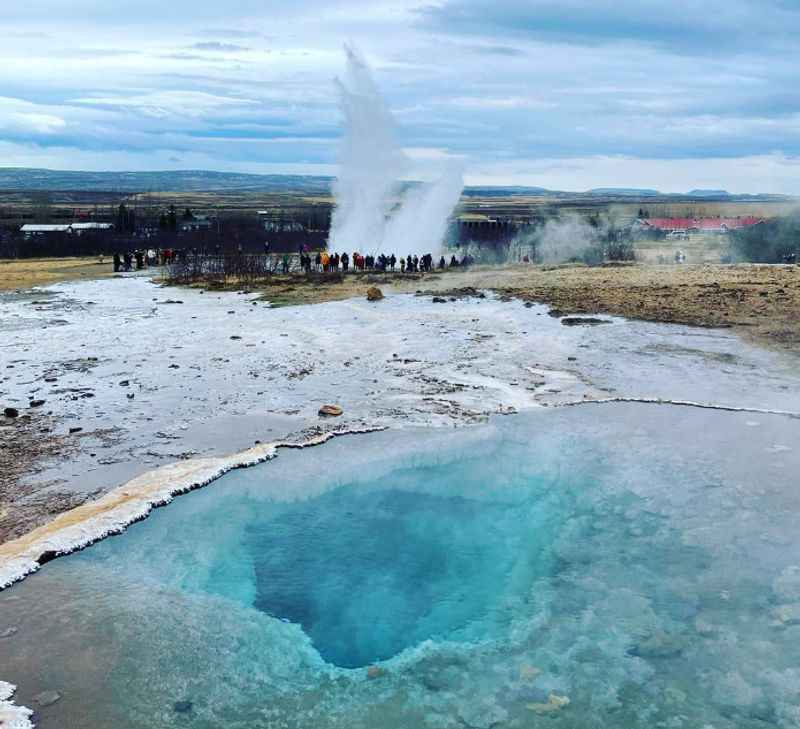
{"x": 149, "y": 382}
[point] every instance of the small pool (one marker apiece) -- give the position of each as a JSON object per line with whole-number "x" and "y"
{"x": 599, "y": 566}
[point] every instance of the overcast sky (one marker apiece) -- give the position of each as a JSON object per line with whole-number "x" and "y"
{"x": 567, "y": 94}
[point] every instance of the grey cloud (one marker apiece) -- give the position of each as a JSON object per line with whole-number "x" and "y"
{"x": 218, "y": 47}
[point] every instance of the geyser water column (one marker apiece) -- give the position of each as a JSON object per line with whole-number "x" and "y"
{"x": 372, "y": 211}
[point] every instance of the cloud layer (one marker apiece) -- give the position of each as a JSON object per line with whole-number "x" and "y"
{"x": 570, "y": 94}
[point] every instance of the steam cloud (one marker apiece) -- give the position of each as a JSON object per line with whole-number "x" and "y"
{"x": 372, "y": 213}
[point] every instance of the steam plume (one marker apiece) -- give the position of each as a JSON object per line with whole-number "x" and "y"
{"x": 367, "y": 216}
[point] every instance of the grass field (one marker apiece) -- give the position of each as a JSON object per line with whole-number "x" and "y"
{"x": 28, "y": 272}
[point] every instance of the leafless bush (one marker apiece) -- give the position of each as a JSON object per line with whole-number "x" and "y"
{"x": 243, "y": 268}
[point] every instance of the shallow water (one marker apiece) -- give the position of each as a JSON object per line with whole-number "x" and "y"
{"x": 641, "y": 560}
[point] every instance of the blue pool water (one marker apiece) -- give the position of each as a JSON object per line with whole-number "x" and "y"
{"x": 642, "y": 562}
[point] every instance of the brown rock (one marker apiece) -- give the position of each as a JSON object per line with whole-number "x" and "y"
{"x": 374, "y": 294}
{"x": 330, "y": 411}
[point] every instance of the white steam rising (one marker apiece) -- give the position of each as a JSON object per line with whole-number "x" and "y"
{"x": 372, "y": 214}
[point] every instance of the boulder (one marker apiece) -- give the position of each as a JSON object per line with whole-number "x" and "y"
{"x": 575, "y": 321}
{"x": 182, "y": 707}
{"x": 11, "y": 412}
{"x": 439, "y": 300}
{"x": 47, "y": 698}
{"x": 36, "y": 403}
{"x": 374, "y": 294}
{"x": 330, "y": 411}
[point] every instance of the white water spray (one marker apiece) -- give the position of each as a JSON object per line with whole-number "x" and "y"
{"x": 371, "y": 213}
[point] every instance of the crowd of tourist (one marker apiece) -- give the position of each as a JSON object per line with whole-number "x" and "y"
{"x": 149, "y": 257}
{"x": 321, "y": 262}
{"x": 324, "y": 262}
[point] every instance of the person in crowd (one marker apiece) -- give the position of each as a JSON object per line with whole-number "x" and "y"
{"x": 151, "y": 257}
{"x": 442, "y": 263}
{"x": 392, "y": 261}
{"x": 345, "y": 261}
{"x": 117, "y": 262}
{"x": 453, "y": 262}
{"x": 415, "y": 262}
{"x": 139, "y": 256}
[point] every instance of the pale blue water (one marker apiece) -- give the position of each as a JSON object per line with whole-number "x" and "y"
{"x": 640, "y": 560}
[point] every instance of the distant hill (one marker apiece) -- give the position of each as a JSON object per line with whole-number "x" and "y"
{"x": 709, "y": 193}
{"x": 24, "y": 178}
{"x": 27, "y": 178}
{"x": 623, "y": 192}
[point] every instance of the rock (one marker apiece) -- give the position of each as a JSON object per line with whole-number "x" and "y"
{"x": 172, "y": 301}
{"x": 75, "y": 430}
{"x": 36, "y": 403}
{"x": 130, "y": 396}
{"x": 439, "y": 300}
{"x": 124, "y": 383}
{"x": 528, "y": 304}
{"x": 235, "y": 336}
{"x": 574, "y": 321}
{"x": 374, "y": 294}
{"x": 182, "y": 707}
{"x": 8, "y": 632}
{"x": 374, "y": 672}
{"x": 787, "y": 614}
{"x": 51, "y": 379}
{"x": 572, "y": 359}
{"x": 554, "y": 703}
{"x": 47, "y": 698}
{"x": 11, "y": 412}
{"x": 330, "y": 411}
{"x": 174, "y": 367}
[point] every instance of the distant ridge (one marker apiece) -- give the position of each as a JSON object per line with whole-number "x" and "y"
{"x": 25, "y": 178}
{"x": 29, "y": 178}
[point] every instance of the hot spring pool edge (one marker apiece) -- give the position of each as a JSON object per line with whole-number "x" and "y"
{"x": 133, "y": 501}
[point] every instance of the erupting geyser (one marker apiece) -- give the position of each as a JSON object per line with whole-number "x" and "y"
{"x": 372, "y": 212}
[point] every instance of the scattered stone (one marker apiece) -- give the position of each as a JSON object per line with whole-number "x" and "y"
{"x": 528, "y": 304}
{"x": 572, "y": 359}
{"x": 439, "y": 300}
{"x": 36, "y": 403}
{"x": 182, "y": 707}
{"x": 554, "y": 703}
{"x": 172, "y": 301}
{"x": 51, "y": 379}
{"x": 174, "y": 367}
{"x": 574, "y": 321}
{"x": 235, "y": 336}
{"x": 47, "y": 698}
{"x": 130, "y": 396}
{"x": 330, "y": 411}
{"x": 75, "y": 430}
{"x": 787, "y": 614}
{"x": 124, "y": 383}
{"x": 8, "y": 632}
{"x": 11, "y": 412}
{"x": 374, "y": 294}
